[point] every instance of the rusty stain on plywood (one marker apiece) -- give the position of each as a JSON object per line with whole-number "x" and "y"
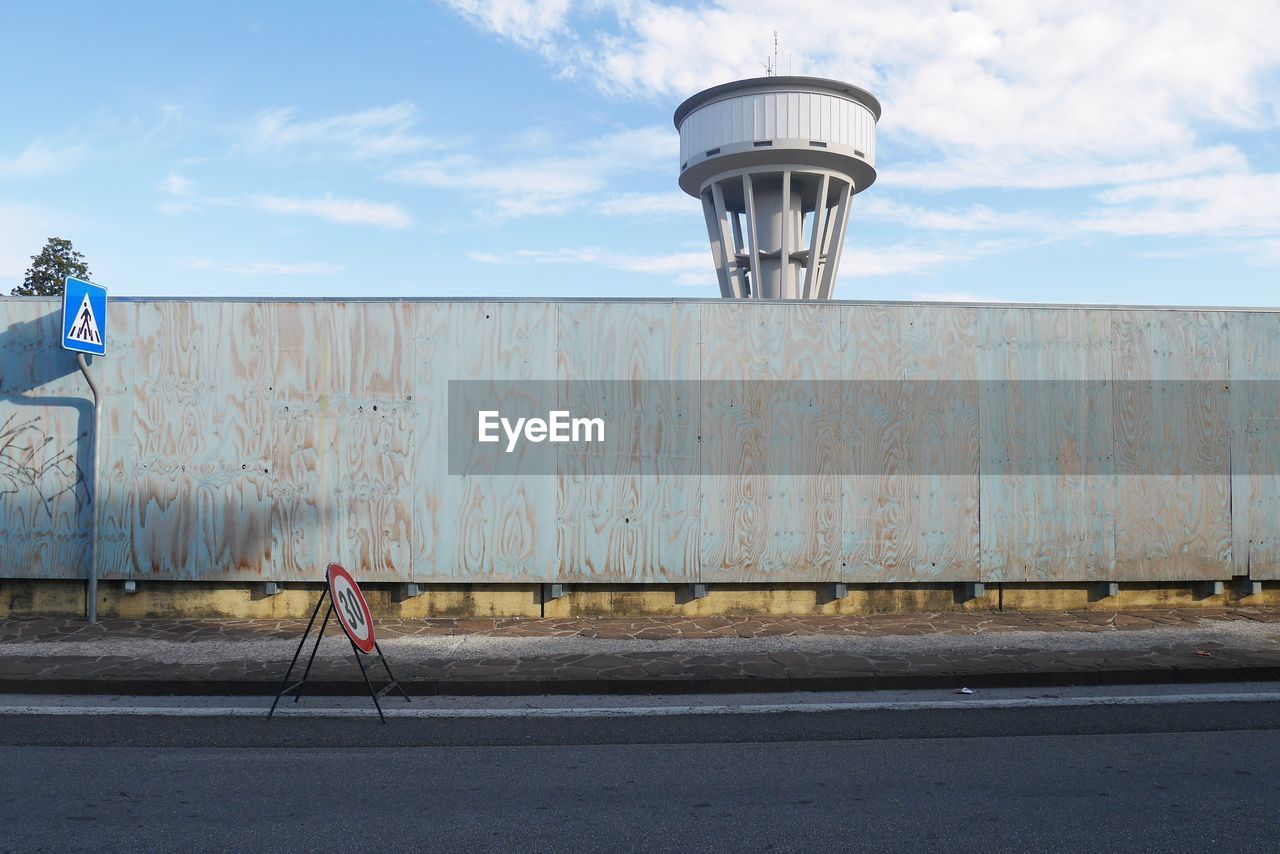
{"x": 246, "y": 440}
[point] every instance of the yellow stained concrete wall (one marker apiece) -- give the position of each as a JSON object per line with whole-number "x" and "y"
{"x": 231, "y": 600}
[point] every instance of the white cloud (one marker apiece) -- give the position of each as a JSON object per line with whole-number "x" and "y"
{"x": 878, "y": 208}
{"x": 344, "y": 211}
{"x": 379, "y": 132}
{"x": 175, "y": 185}
{"x": 264, "y": 268}
{"x": 861, "y": 263}
{"x": 180, "y": 196}
{"x": 38, "y": 160}
{"x": 1265, "y": 252}
{"x": 1025, "y": 171}
{"x": 688, "y": 268}
{"x": 529, "y": 23}
{"x": 981, "y": 93}
{"x": 696, "y": 267}
{"x": 674, "y": 203}
{"x": 1229, "y": 206}
{"x": 538, "y": 182}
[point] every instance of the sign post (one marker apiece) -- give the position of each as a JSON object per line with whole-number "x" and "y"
{"x": 345, "y": 600}
{"x": 84, "y": 331}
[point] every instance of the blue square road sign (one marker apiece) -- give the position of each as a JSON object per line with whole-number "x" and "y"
{"x": 84, "y": 317}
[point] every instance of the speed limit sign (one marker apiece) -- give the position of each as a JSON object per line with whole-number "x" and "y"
{"x": 345, "y": 600}
{"x": 353, "y": 612}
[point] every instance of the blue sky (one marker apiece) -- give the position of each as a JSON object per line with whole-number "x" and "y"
{"x": 1046, "y": 152}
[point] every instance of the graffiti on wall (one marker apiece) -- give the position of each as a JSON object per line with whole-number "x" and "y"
{"x": 30, "y": 465}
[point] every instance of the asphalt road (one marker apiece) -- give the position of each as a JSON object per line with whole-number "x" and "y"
{"x": 1196, "y": 777}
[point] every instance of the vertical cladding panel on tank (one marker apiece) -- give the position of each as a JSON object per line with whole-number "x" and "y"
{"x": 770, "y": 484}
{"x": 783, "y": 115}
{"x": 909, "y": 501}
{"x": 1171, "y": 525}
{"x": 1047, "y": 504}
{"x": 488, "y": 527}
{"x": 1254, "y": 341}
{"x": 636, "y": 521}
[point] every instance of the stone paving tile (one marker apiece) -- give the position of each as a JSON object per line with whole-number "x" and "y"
{"x": 750, "y": 666}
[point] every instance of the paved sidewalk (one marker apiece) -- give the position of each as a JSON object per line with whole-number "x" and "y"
{"x": 654, "y": 655}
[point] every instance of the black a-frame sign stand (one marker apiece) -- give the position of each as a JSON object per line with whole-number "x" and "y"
{"x": 286, "y": 688}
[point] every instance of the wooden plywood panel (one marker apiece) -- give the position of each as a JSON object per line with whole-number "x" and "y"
{"x": 1169, "y": 524}
{"x": 489, "y": 527}
{"x": 118, "y": 458}
{"x": 1254, "y": 341}
{"x": 1046, "y": 515}
{"x": 345, "y": 421}
{"x": 201, "y": 488}
{"x": 630, "y": 519}
{"x": 45, "y": 423}
{"x": 770, "y": 505}
{"x": 910, "y": 507}
{"x": 940, "y": 347}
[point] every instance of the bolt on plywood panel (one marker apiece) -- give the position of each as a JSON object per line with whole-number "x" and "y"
{"x": 1044, "y": 517}
{"x": 484, "y": 527}
{"x": 910, "y": 505}
{"x": 629, "y": 519}
{"x": 1170, "y": 524}
{"x": 771, "y": 482}
{"x": 1254, "y": 341}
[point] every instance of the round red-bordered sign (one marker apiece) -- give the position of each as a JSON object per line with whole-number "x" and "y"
{"x": 353, "y": 611}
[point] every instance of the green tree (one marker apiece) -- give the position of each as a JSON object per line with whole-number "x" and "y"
{"x": 49, "y": 270}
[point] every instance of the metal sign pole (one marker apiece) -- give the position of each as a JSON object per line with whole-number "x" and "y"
{"x": 91, "y": 599}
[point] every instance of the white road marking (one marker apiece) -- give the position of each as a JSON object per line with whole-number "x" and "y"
{"x": 397, "y": 711}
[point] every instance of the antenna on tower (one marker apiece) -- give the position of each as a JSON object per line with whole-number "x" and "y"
{"x": 771, "y": 65}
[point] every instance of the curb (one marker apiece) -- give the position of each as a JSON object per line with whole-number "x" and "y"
{"x": 693, "y": 685}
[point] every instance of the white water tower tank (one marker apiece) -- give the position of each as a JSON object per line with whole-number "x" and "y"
{"x": 776, "y": 161}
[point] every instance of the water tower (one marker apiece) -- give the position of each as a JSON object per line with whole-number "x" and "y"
{"x": 776, "y": 162}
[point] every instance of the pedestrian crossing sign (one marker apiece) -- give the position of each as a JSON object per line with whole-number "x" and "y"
{"x": 84, "y": 317}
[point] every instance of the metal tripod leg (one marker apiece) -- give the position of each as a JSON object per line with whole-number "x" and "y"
{"x": 324, "y": 625}
{"x": 390, "y": 675}
{"x": 365, "y": 674}
{"x": 285, "y": 682}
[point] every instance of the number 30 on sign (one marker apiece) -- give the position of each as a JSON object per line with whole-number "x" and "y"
{"x": 353, "y": 611}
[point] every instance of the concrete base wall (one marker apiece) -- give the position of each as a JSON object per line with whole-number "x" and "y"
{"x": 232, "y": 600}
